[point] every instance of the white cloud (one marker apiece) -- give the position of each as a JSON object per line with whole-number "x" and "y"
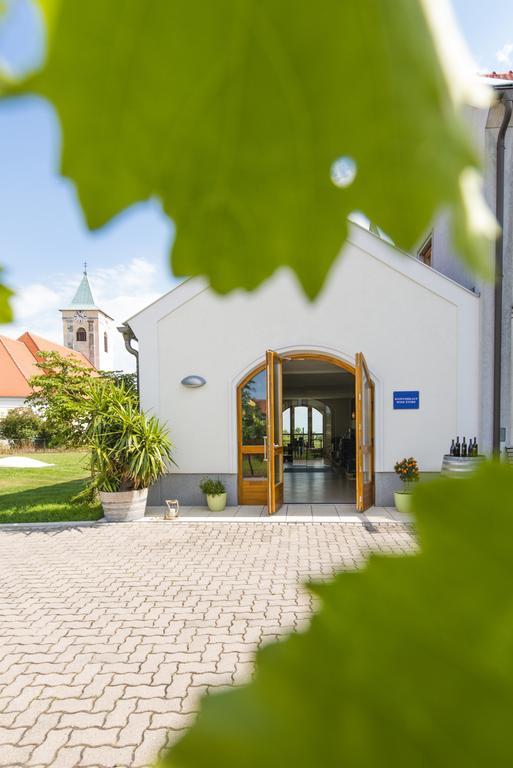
{"x": 33, "y": 300}
{"x": 120, "y": 291}
{"x": 503, "y": 55}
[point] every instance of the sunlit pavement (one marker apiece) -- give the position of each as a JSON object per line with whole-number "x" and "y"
{"x": 111, "y": 633}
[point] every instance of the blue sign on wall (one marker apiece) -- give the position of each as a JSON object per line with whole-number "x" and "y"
{"x": 405, "y": 401}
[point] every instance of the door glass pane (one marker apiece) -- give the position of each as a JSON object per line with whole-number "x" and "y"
{"x": 254, "y": 409}
{"x": 253, "y": 466}
{"x": 286, "y": 427}
{"x": 277, "y": 404}
{"x": 366, "y": 429}
{"x": 277, "y": 469}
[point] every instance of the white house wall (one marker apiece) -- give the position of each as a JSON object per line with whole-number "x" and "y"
{"x": 8, "y": 403}
{"x": 417, "y": 330}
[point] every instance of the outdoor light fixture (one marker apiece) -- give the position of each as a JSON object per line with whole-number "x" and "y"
{"x": 193, "y": 381}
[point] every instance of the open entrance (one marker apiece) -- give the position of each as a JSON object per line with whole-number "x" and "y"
{"x": 306, "y": 432}
{"x": 319, "y": 433}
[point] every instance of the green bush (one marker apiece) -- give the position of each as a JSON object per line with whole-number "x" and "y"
{"x": 212, "y": 487}
{"x": 21, "y": 425}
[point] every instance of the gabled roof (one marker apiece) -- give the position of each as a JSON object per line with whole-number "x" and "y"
{"x": 17, "y": 365}
{"x": 37, "y": 344}
{"x": 374, "y": 243}
{"x": 18, "y": 358}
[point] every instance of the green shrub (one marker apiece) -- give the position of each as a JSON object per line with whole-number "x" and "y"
{"x": 212, "y": 487}
{"x": 21, "y": 425}
{"x": 129, "y": 450}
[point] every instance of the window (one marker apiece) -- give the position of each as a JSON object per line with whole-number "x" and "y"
{"x": 254, "y": 410}
{"x": 426, "y": 250}
{"x": 105, "y": 343}
{"x": 81, "y": 334}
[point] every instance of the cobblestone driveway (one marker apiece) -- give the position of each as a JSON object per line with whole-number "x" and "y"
{"x": 110, "y": 634}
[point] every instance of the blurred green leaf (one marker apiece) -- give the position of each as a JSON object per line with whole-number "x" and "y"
{"x": 5, "y": 307}
{"x": 233, "y": 113}
{"x": 408, "y": 663}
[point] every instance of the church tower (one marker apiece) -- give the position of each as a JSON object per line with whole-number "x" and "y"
{"x": 87, "y": 328}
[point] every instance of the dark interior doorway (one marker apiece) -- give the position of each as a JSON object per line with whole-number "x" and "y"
{"x": 318, "y": 433}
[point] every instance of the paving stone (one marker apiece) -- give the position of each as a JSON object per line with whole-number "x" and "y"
{"x": 45, "y": 753}
{"x": 110, "y": 635}
{"x": 14, "y": 755}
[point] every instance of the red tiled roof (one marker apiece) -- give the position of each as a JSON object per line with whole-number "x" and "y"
{"x": 17, "y": 365}
{"x": 18, "y": 359}
{"x": 500, "y": 75}
{"x": 37, "y": 344}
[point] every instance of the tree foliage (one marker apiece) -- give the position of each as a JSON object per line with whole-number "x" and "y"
{"x": 254, "y": 423}
{"x": 60, "y": 393}
{"x": 409, "y": 662}
{"x": 120, "y": 378}
{"x": 21, "y": 425}
{"x": 234, "y": 112}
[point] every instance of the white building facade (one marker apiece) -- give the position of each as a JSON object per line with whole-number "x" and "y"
{"x": 417, "y": 330}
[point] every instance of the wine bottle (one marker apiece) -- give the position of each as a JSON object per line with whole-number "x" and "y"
{"x": 457, "y": 447}
{"x": 452, "y": 448}
{"x": 464, "y": 446}
{"x": 475, "y": 448}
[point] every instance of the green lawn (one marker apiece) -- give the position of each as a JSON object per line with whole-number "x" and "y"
{"x": 43, "y": 495}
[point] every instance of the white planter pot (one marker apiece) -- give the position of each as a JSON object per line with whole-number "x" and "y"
{"x": 123, "y": 506}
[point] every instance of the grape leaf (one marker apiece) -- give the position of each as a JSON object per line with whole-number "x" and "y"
{"x": 5, "y": 307}
{"x": 234, "y": 112}
{"x": 409, "y": 662}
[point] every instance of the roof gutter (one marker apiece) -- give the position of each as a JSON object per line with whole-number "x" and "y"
{"x": 499, "y": 271}
{"x": 128, "y": 337}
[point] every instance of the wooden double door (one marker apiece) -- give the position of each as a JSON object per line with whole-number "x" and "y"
{"x": 260, "y": 407}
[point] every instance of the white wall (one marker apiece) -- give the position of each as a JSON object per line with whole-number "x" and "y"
{"x": 8, "y": 403}
{"x": 416, "y": 328}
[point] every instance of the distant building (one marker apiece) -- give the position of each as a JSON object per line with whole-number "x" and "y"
{"x": 18, "y": 358}
{"x": 88, "y": 329}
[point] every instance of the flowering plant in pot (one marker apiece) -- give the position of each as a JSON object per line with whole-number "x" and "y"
{"x": 129, "y": 450}
{"x": 408, "y": 471}
{"x": 215, "y": 492}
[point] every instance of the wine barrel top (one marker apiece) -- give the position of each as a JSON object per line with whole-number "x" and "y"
{"x": 448, "y": 456}
{"x": 460, "y": 466}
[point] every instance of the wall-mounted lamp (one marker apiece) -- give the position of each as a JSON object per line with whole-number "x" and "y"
{"x": 193, "y": 381}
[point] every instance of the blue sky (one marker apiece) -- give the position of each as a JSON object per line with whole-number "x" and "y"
{"x": 43, "y": 239}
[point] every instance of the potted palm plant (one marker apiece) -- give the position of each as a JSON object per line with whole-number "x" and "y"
{"x": 215, "y": 492}
{"x": 408, "y": 471}
{"x": 129, "y": 451}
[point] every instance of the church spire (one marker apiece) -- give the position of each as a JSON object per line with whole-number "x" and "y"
{"x": 83, "y": 298}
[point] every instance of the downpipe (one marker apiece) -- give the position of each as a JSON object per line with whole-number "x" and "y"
{"x": 499, "y": 272}
{"x": 128, "y": 337}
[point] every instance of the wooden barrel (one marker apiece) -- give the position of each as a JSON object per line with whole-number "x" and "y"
{"x": 460, "y": 466}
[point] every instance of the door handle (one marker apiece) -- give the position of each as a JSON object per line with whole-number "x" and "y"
{"x": 265, "y": 448}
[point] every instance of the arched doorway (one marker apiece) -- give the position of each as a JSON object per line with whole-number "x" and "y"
{"x": 306, "y": 431}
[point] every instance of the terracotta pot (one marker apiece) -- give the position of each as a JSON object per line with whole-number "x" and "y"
{"x": 124, "y": 506}
{"x": 217, "y": 503}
